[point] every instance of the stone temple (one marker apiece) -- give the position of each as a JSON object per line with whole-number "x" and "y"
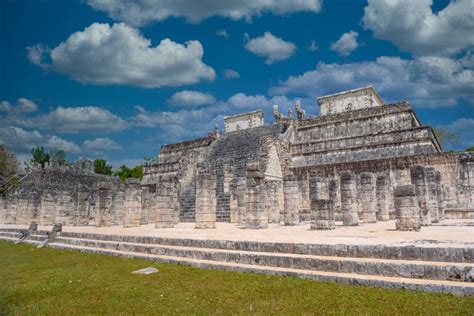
{"x": 358, "y": 163}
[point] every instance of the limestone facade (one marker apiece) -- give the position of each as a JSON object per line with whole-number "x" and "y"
{"x": 355, "y": 155}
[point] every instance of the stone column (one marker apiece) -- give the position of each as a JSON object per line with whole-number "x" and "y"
{"x": 349, "y": 206}
{"x": 418, "y": 178}
{"x": 439, "y": 195}
{"x": 118, "y": 205}
{"x": 322, "y": 209}
{"x": 257, "y": 216}
{"x": 241, "y": 203}
{"x": 407, "y": 211}
{"x": 103, "y": 216}
{"x": 47, "y": 209}
{"x": 205, "y": 200}
{"x": 273, "y": 200}
{"x": 11, "y": 209}
{"x": 333, "y": 196}
{"x": 66, "y": 206}
{"x": 133, "y": 203}
{"x": 382, "y": 195}
{"x": 233, "y": 207}
{"x": 367, "y": 197}
{"x": 81, "y": 216}
{"x": 22, "y": 208}
{"x": 322, "y": 215}
{"x": 291, "y": 195}
{"x": 164, "y": 202}
{"x": 34, "y": 204}
{"x": 432, "y": 198}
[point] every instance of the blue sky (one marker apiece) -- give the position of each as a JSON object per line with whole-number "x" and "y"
{"x": 117, "y": 79}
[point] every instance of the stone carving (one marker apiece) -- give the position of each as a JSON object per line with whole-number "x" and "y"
{"x": 205, "y": 199}
{"x": 276, "y": 113}
{"x": 57, "y": 230}
{"x": 133, "y": 203}
{"x": 25, "y": 233}
{"x": 407, "y": 209}
{"x": 349, "y": 205}
{"x": 367, "y": 198}
{"x": 291, "y": 196}
{"x": 257, "y": 214}
{"x": 383, "y": 197}
{"x": 300, "y": 113}
{"x": 418, "y": 178}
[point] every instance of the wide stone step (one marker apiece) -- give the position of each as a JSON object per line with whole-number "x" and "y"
{"x": 458, "y": 288}
{"x": 365, "y": 266}
{"x": 396, "y": 252}
{"x": 405, "y": 252}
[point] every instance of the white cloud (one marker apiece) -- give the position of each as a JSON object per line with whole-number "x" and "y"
{"x": 22, "y": 106}
{"x": 120, "y": 55}
{"x": 141, "y": 12}
{"x": 86, "y": 119}
{"x": 56, "y": 142}
{"x": 100, "y": 145}
{"x": 412, "y": 25}
{"x": 230, "y": 74}
{"x": 346, "y": 44}
{"x": 222, "y": 33}
{"x": 464, "y": 129}
{"x": 271, "y": 47}
{"x": 313, "y": 47}
{"x": 191, "y": 98}
{"x": 19, "y": 139}
{"x": 22, "y": 141}
{"x": 425, "y": 82}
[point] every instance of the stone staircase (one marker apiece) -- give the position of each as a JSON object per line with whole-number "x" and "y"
{"x": 409, "y": 267}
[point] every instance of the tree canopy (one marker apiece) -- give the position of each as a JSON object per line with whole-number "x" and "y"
{"x": 8, "y": 167}
{"x": 102, "y": 167}
{"x": 125, "y": 172}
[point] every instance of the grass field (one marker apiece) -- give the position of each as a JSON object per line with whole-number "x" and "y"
{"x": 46, "y": 281}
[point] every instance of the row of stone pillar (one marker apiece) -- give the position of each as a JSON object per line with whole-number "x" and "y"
{"x": 421, "y": 203}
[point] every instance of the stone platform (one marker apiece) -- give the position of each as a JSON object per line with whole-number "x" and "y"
{"x": 439, "y": 258}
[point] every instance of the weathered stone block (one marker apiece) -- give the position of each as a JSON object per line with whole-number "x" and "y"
{"x": 407, "y": 208}
{"x": 349, "y": 205}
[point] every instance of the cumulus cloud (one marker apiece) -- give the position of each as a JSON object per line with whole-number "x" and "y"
{"x": 230, "y": 74}
{"x": 191, "y": 98}
{"x": 464, "y": 129}
{"x": 22, "y": 141}
{"x": 414, "y": 27}
{"x": 222, "y": 33}
{"x": 425, "y": 82}
{"x": 141, "y": 12}
{"x": 346, "y": 44}
{"x": 56, "y": 142}
{"x": 100, "y": 145}
{"x": 271, "y": 47}
{"x": 120, "y": 55}
{"x": 22, "y": 106}
{"x": 85, "y": 119}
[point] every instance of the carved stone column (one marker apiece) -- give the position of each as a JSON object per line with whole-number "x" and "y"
{"x": 133, "y": 203}
{"x": 291, "y": 195}
{"x": 272, "y": 204}
{"x": 241, "y": 204}
{"x": 349, "y": 206}
{"x": 103, "y": 216}
{"x": 418, "y": 178}
{"x": 47, "y": 209}
{"x": 432, "y": 197}
{"x": 205, "y": 200}
{"x": 257, "y": 215}
{"x": 165, "y": 202}
{"x": 407, "y": 211}
{"x": 439, "y": 195}
{"x": 382, "y": 195}
{"x": 322, "y": 209}
{"x": 367, "y": 197}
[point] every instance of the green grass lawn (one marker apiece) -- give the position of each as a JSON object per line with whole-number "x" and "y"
{"x": 46, "y": 281}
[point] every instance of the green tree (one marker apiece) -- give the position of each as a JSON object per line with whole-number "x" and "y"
{"x": 58, "y": 156}
{"x": 125, "y": 172}
{"x": 8, "y": 168}
{"x": 470, "y": 149}
{"x": 446, "y": 137}
{"x": 39, "y": 157}
{"x": 102, "y": 167}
